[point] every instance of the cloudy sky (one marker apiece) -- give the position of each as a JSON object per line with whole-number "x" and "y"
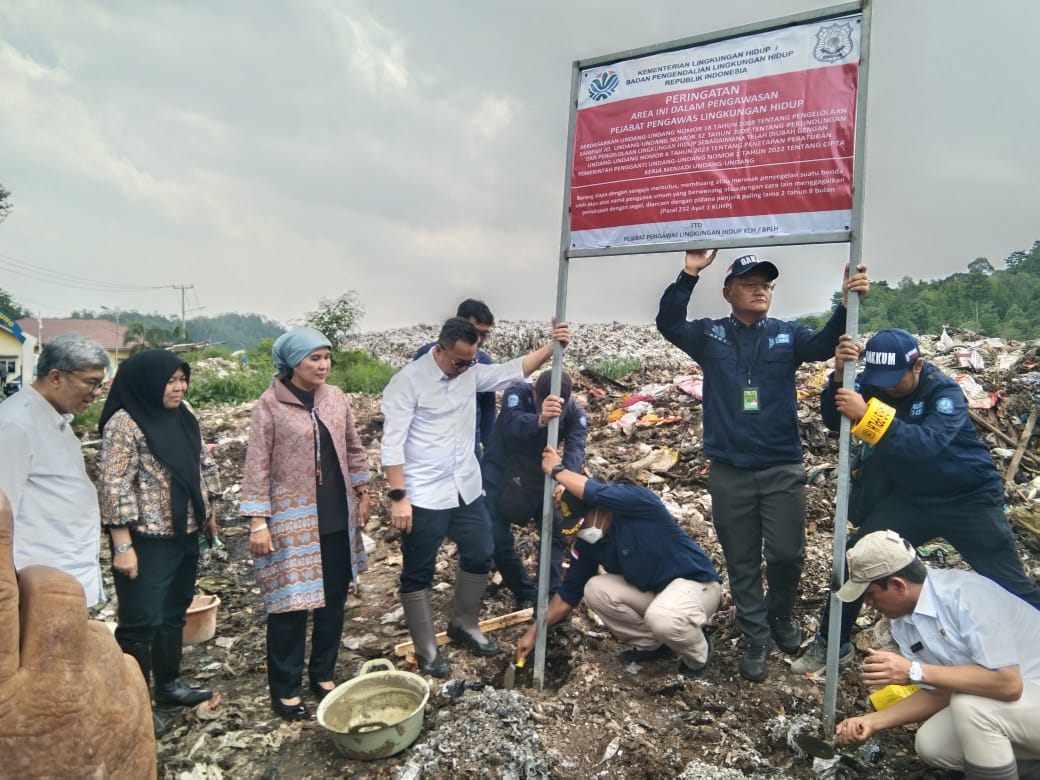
{"x": 271, "y": 154}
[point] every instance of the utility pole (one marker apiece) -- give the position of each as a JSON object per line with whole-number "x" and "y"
{"x": 184, "y": 322}
{"x": 117, "y": 313}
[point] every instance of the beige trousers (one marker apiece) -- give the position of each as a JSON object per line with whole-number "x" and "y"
{"x": 676, "y": 616}
{"x": 982, "y": 732}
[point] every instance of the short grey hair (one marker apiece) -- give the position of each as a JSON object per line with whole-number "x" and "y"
{"x": 71, "y": 352}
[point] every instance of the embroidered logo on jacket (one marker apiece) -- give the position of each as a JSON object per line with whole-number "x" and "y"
{"x": 944, "y": 405}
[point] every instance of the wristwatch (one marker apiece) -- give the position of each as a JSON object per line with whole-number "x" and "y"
{"x": 556, "y": 470}
{"x": 122, "y": 548}
{"x": 396, "y": 494}
{"x": 916, "y": 673}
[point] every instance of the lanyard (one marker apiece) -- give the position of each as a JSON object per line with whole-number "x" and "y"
{"x": 749, "y": 365}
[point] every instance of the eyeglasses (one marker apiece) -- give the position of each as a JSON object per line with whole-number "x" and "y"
{"x": 755, "y": 286}
{"x": 93, "y": 384}
{"x": 464, "y": 363}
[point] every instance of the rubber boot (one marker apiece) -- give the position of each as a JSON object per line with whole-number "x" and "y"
{"x": 418, "y": 616}
{"x": 166, "y": 663}
{"x": 464, "y": 626}
{"x": 142, "y": 653}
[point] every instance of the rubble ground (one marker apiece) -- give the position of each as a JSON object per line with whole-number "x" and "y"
{"x": 597, "y": 717}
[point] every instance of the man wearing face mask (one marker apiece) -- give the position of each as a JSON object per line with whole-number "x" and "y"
{"x": 660, "y": 588}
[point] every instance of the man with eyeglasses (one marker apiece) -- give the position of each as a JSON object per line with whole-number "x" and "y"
{"x": 751, "y": 435}
{"x": 478, "y": 313}
{"x": 434, "y": 479}
{"x": 55, "y": 506}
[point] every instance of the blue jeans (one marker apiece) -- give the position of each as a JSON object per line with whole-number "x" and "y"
{"x": 468, "y": 525}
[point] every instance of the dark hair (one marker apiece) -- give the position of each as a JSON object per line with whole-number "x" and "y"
{"x": 457, "y": 329}
{"x": 478, "y": 310}
{"x": 544, "y": 382}
{"x": 915, "y": 572}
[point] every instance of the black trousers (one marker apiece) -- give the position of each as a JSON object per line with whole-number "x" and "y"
{"x": 287, "y": 631}
{"x": 157, "y": 600}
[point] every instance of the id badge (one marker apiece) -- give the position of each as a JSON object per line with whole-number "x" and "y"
{"x": 749, "y": 400}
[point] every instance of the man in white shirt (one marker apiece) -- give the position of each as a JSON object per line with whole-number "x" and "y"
{"x": 434, "y": 479}
{"x": 55, "y": 506}
{"x": 969, "y": 644}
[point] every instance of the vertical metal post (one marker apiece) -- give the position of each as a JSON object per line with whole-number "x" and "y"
{"x": 841, "y": 499}
{"x": 553, "y": 431}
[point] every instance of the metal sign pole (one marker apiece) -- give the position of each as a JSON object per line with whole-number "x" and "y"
{"x": 841, "y": 499}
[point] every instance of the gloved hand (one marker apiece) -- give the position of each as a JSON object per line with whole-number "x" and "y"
{"x": 71, "y": 704}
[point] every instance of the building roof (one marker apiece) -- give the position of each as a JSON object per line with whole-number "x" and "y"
{"x": 106, "y": 333}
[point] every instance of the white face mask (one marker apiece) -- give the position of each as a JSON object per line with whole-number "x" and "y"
{"x": 590, "y": 535}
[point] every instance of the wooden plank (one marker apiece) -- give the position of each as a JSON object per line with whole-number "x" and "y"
{"x": 1009, "y": 475}
{"x": 486, "y": 626}
{"x": 1003, "y": 437}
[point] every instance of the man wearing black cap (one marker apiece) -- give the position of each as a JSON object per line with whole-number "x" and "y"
{"x": 512, "y": 471}
{"x": 968, "y": 644}
{"x": 659, "y": 588}
{"x": 757, "y": 477}
{"x": 924, "y": 472}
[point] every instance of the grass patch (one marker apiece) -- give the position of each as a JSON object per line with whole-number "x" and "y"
{"x": 618, "y": 367}
{"x": 91, "y": 415}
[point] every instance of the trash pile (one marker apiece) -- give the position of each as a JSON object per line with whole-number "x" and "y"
{"x": 597, "y": 717}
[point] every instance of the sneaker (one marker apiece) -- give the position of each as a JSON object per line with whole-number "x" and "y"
{"x": 786, "y": 634}
{"x": 814, "y": 659}
{"x": 693, "y": 672}
{"x": 638, "y": 656}
{"x": 753, "y": 666}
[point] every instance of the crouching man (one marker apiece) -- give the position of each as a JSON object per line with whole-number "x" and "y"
{"x": 660, "y": 588}
{"x": 969, "y": 644}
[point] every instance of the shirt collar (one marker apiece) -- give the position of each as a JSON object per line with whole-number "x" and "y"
{"x": 926, "y": 601}
{"x": 60, "y": 420}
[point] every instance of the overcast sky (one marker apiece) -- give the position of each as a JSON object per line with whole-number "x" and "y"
{"x": 272, "y": 153}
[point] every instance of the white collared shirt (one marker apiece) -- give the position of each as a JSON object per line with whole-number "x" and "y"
{"x": 964, "y": 618}
{"x": 429, "y": 425}
{"x": 55, "y": 505}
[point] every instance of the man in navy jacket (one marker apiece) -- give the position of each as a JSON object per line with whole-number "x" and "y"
{"x": 513, "y": 479}
{"x": 924, "y": 463}
{"x": 757, "y": 477}
{"x": 659, "y": 588}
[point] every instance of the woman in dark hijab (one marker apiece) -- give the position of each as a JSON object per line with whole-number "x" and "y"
{"x": 157, "y": 488}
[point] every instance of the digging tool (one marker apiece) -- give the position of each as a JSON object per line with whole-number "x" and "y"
{"x": 509, "y": 678}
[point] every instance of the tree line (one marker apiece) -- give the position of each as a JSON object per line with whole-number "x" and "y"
{"x": 1004, "y": 303}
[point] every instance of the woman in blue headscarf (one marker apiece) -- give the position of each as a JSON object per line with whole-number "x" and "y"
{"x": 306, "y": 496}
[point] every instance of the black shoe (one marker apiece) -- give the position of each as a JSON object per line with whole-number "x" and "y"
{"x": 638, "y": 656}
{"x": 438, "y": 667}
{"x": 486, "y": 648}
{"x": 177, "y": 693}
{"x": 290, "y": 712}
{"x": 787, "y": 635}
{"x": 753, "y": 666}
{"x": 320, "y": 692}
{"x": 161, "y": 729}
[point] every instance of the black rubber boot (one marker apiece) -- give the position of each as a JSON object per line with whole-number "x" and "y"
{"x": 142, "y": 653}
{"x": 166, "y": 663}
{"x": 418, "y": 616}
{"x": 464, "y": 626}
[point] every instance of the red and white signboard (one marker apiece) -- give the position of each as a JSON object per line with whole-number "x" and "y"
{"x": 749, "y": 137}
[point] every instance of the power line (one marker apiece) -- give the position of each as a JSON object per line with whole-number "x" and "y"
{"x": 41, "y": 274}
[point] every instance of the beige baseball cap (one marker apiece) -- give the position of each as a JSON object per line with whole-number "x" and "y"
{"x": 876, "y": 555}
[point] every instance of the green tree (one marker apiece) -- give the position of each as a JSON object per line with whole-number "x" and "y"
{"x": 5, "y": 203}
{"x": 9, "y": 307}
{"x": 337, "y": 317}
{"x": 980, "y": 265}
{"x": 140, "y": 336}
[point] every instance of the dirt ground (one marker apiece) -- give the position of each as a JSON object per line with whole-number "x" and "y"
{"x": 597, "y": 717}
